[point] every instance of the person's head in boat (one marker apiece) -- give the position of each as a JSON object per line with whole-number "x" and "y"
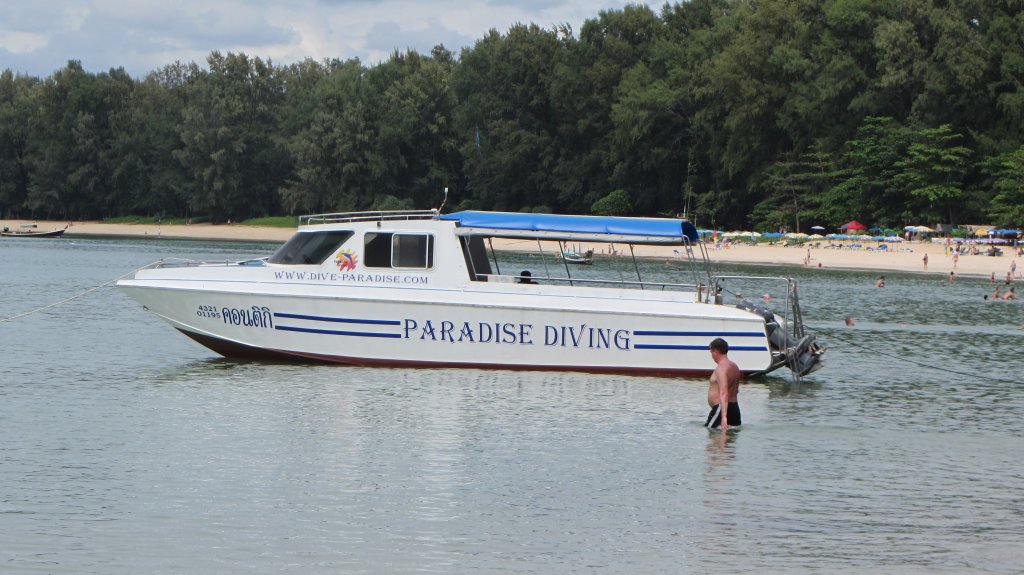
{"x": 525, "y": 277}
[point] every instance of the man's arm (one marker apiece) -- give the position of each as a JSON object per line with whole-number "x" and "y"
{"x": 722, "y": 375}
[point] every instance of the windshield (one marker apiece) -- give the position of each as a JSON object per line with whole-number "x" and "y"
{"x": 309, "y": 248}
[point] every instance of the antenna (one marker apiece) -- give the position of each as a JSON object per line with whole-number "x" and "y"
{"x": 443, "y": 200}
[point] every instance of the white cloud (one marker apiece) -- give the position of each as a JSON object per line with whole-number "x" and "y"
{"x": 39, "y": 37}
{"x": 22, "y": 42}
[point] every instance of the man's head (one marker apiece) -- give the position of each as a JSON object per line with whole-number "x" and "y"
{"x": 719, "y": 346}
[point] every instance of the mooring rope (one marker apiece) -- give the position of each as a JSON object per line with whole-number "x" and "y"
{"x": 852, "y": 343}
{"x": 76, "y": 296}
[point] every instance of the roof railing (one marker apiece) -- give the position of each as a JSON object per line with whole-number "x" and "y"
{"x": 347, "y": 217}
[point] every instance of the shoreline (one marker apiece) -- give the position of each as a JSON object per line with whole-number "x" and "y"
{"x": 899, "y": 257}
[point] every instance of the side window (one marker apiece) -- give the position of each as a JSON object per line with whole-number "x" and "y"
{"x": 309, "y": 248}
{"x": 412, "y": 251}
{"x": 390, "y": 250}
{"x": 377, "y": 250}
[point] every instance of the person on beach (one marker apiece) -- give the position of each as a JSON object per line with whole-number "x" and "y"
{"x": 881, "y": 282}
{"x": 951, "y": 277}
{"x": 1009, "y": 294}
{"x": 849, "y": 321}
{"x": 996, "y": 294}
{"x": 724, "y": 388}
{"x": 925, "y": 260}
{"x": 956, "y": 258}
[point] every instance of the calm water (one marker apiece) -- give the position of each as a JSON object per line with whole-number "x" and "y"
{"x": 126, "y": 448}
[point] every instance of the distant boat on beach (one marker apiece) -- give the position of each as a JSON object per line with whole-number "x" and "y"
{"x": 32, "y": 231}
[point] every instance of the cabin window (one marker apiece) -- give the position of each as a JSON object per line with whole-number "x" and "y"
{"x": 309, "y": 248}
{"x": 389, "y": 250}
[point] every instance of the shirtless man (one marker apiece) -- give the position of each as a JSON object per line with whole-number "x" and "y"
{"x": 724, "y": 388}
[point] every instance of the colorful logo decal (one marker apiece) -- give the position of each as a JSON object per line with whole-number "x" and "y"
{"x": 346, "y": 260}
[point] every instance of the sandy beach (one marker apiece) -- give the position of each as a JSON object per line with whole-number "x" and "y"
{"x": 901, "y": 257}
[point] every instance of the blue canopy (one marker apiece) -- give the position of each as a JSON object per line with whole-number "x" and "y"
{"x": 583, "y": 228}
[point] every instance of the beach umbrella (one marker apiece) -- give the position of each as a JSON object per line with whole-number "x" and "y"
{"x": 815, "y": 236}
{"x": 923, "y": 229}
{"x": 772, "y": 235}
{"x": 853, "y": 225}
{"x": 817, "y": 228}
{"x": 875, "y": 230}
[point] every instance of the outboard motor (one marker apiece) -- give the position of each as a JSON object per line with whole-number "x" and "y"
{"x": 802, "y": 356}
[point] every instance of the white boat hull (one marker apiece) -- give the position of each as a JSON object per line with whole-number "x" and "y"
{"x": 374, "y": 326}
{"x": 420, "y": 289}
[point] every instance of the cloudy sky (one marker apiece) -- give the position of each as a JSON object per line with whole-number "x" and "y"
{"x": 39, "y": 37}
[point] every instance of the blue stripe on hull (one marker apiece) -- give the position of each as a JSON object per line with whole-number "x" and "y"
{"x": 701, "y": 333}
{"x": 697, "y": 347}
{"x": 335, "y": 332}
{"x": 339, "y": 319}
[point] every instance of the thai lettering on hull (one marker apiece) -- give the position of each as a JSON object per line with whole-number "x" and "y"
{"x": 255, "y": 317}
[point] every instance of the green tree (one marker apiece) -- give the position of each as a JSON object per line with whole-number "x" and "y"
{"x": 416, "y": 129}
{"x": 1007, "y": 207}
{"x": 866, "y": 187}
{"x": 228, "y": 140}
{"x": 330, "y": 153}
{"x": 932, "y": 171}
{"x": 16, "y": 112}
{"x": 146, "y": 141}
{"x": 505, "y": 118}
{"x": 75, "y": 159}
{"x": 616, "y": 203}
{"x": 795, "y": 187}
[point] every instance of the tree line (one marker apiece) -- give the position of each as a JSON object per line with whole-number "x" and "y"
{"x": 737, "y": 113}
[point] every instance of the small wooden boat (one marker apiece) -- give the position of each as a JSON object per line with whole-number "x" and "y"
{"x": 577, "y": 257}
{"x": 32, "y": 231}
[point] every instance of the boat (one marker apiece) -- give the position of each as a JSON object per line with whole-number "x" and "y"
{"x": 427, "y": 289}
{"x": 578, "y": 257}
{"x": 31, "y": 231}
